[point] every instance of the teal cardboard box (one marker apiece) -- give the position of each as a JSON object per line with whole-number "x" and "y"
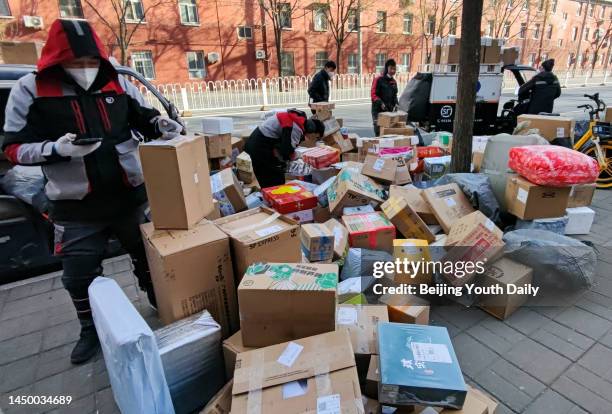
{"x": 418, "y": 365}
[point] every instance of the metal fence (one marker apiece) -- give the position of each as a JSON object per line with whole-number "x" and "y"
{"x": 260, "y": 93}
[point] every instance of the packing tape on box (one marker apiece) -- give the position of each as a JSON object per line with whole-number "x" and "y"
{"x": 250, "y": 227}
{"x": 323, "y": 382}
{"x": 254, "y": 397}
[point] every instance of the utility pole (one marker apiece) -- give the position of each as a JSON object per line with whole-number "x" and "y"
{"x": 578, "y": 49}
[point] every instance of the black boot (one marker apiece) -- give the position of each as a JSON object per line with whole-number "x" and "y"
{"x": 86, "y": 347}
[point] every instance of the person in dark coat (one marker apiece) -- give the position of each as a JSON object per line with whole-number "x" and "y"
{"x": 273, "y": 143}
{"x": 318, "y": 90}
{"x": 539, "y": 93}
{"x": 384, "y": 93}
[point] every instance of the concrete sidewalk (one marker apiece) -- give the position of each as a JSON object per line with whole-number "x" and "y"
{"x": 540, "y": 360}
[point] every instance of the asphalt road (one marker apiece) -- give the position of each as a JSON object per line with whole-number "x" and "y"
{"x": 357, "y": 116}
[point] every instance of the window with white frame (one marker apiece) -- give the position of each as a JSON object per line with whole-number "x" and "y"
{"x": 284, "y": 15}
{"x": 560, "y": 43}
{"x": 509, "y": 4}
{"x": 490, "y": 28}
{"x": 540, "y": 5}
{"x": 574, "y": 33}
{"x": 507, "y": 26}
{"x": 586, "y": 33}
{"x": 381, "y": 58}
{"x": 536, "y": 31}
{"x": 352, "y": 20}
{"x": 554, "y": 5}
{"x": 523, "y": 31}
{"x": 319, "y": 17}
{"x": 245, "y": 32}
{"x": 189, "y": 11}
{"x": 142, "y": 62}
{"x": 564, "y": 15}
{"x": 579, "y": 9}
{"x": 408, "y": 18}
{"x": 602, "y": 12}
{"x": 67, "y": 8}
{"x": 195, "y": 64}
{"x": 431, "y": 25}
{"x": 321, "y": 58}
{"x": 406, "y": 62}
{"x": 287, "y": 66}
{"x": 526, "y": 5}
{"x": 452, "y": 25}
{"x": 352, "y": 64}
{"x": 591, "y": 10}
{"x": 133, "y": 10}
{"x": 549, "y": 32}
{"x": 532, "y": 57}
{"x": 5, "y": 10}
{"x": 381, "y": 21}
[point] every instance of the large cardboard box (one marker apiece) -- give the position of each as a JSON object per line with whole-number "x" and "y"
{"x": 511, "y": 55}
{"x": 353, "y": 189}
{"x": 382, "y": 169}
{"x": 228, "y": 191}
{"x": 21, "y": 53}
{"x": 466, "y": 224}
{"x": 321, "y": 157}
{"x": 418, "y": 365}
{"x": 414, "y": 197}
{"x": 372, "y": 378}
{"x": 218, "y": 146}
{"x": 232, "y": 346}
{"x": 285, "y": 301}
{"x": 340, "y": 238}
{"x": 581, "y": 195}
{"x": 317, "y": 242}
{"x": 260, "y": 235}
{"x": 406, "y": 220}
{"x": 370, "y": 231}
{"x": 221, "y": 402}
{"x": 551, "y": 127}
{"x": 449, "y": 54}
{"x": 529, "y": 201}
{"x": 176, "y": 177}
{"x": 289, "y": 198}
{"x": 337, "y": 140}
{"x": 394, "y": 130}
{"x": 412, "y": 250}
{"x": 310, "y": 375}
{"x": 322, "y": 106}
{"x": 507, "y": 275}
{"x": 192, "y": 271}
{"x": 448, "y": 204}
{"x": 491, "y": 50}
{"x": 388, "y": 119}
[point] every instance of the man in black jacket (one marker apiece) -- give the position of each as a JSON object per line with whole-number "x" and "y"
{"x": 384, "y": 93}
{"x": 539, "y": 93}
{"x": 318, "y": 91}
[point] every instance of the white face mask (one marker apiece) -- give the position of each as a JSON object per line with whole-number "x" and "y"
{"x": 84, "y": 77}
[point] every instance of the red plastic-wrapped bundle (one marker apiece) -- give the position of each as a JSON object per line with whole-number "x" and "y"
{"x": 553, "y": 165}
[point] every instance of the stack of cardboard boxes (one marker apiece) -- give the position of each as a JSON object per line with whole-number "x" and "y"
{"x": 447, "y": 51}
{"x": 218, "y": 135}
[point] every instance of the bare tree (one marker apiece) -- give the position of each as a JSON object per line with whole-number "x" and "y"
{"x": 125, "y": 19}
{"x": 435, "y": 18}
{"x": 602, "y": 37}
{"x": 504, "y": 14}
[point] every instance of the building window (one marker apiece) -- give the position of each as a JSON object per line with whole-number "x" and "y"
{"x": 353, "y": 63}
{"x": 564, "y": 15}
{"x": 408, "y": 23}
{"x": 490, "y": 28}
{"x": 189, "y": 11}
{"x": 591, "y": 10}
{"x": 560, "y": 43}
{"x": 195, "y": 65}
{"x": 586, "y": 33}
{"x": 287, "y": 67}
{"x": 142, "y": 62}
{"x": 532, "y": 57}
{"x": 381, "y": 21}
{"x": 284, "y": 15}
{"x": 352, "y": 20}
{"x": 452, "y": 25}
{"x": 574, "y": 33}
{"x": 536, "y": 31}
{"x": 67, "y": 9}
{"x": 602, "y": 12}
{"x": 381, "y": 58}
{"x": 245, "y": 32}
{"x": 554, "y": 6}
{"x": 510, "y": 4}
{"x": 507, "y": 30}
{"x": 526, "y": 5}
{"x": 540, "y": 5}
{"x": 406, "y": 61}
{"x": 431, "y": 25}
{"x": 134, "y": 11}
{"x": 321, "y": 59}
{"x": 549, "y": 32}
{"x": 4, "y": 8}
{"x": 523, "y": 31}
{"x": 320, "y": 19}
{"x": 579, "y": 9}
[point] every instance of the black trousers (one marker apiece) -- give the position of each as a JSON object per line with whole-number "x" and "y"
{"x": 81, "y": 246}
{"x": 268, "y": 169}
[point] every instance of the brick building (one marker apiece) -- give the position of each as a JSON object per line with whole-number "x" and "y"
{"x": 195, "y": 40}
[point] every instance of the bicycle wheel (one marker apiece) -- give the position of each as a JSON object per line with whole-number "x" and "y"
{"x": 605, "y": 177}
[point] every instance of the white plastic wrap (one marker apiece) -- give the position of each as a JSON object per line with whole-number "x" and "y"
{"x": 130, "y": 351}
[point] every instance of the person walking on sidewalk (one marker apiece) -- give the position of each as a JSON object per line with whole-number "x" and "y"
{"x": 318, "y": 90}
{"x": 75, "y": 118}
{"x": 384, "y": 93}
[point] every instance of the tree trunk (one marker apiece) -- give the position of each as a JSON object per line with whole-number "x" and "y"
{"x": 279, "y": 44}
{"x": 338, "y": 53}
{"x": 469, "y": 68}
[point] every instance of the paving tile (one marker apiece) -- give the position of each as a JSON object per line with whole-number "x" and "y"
{"x": 496, "y": 335}
{"x": 598, "y": 360}
{"x": 595, "y": 308}
{"x": 565, "y": 341}
{"x": 537, "y": 360}
{"x": 582, "y": 396}
{"x": 437, "y": 320}
{"x": 61, "y": 334}
{"x": 20, "y": 409}
{"x": 76, "y": 382}
{"x": 22, "y": 325}
{"x": 552, "y": 402}
{"x": 34, "y": 303}
{"x": 54, "y": 361}
{"x": 83, "y": 405}
{"x": 472, "y": 355}
{"x": 607, "y": 340}
{"x": 18, "y": 373}
{"x": 584, "y": 322}
{"x": 460, "y": 316}
{"x": 30, "y": 289}
{"x": 590, "y": 380}
{"x": 526, "y": 320}
{"x": 601, "y": 285}
{"x": 20, "y": 347}
{"x": 105, "y": 402}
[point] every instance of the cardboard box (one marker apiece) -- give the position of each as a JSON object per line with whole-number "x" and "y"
{"x": 382, "y": 169}
{"x": 217, "y": 125}
{"x": 580, "y": 220}
{"x": 406, "y": 220}
{"x": 244, "y": 163}
{"x": 477, "y": 158}
{"x": 461, "y": 228}
{"x": 370, "y": 231}
{"x": 317, "y": 242}
{"x": 387, "y": 119}
{"x": 191, "y": 271}
{"x": 367, "y": 146}
{"x": 232, "y": 346}
{"x": 350, "y": 156}
{"x": 395, "y": 130}
{"x": 492, "y": 52}
{"x": 436, "y": 167}
{"x": 323, "y": 115}
{"x": 321, "y": 157}
{"x": 246, "y": 177}
{"x": 449, "y": 54}
{"x": 228, "y": 191}
{"x": 21, "y": 53}
{"x": 295, "y": 370}
{"x": 322, "y": 106}
{"x": 221, "y": 403}
{"x": 338, "y": 141}
{"x": 416, "y": 201}
{"x": 216, "y": 213}
{"x": 412, "y": 250}
{"x": 505, "y": 273}
{"x": 320, "y": 175}
{"x": 176, "y": 177}
{"x": 217, "y": 164}
{"x": 418, "y": 365}
{"x": 529, "y": 201}
{"x": 260, "y": 235}
{"x": 353, "y": 189}
{"x": 448, "y": 204}
{"x": 551, "y": 127}
{"x": 331, "y": 125}
{"x": 290, "y": 197}
{"x": 511, "y": 55}
{"x": 302, "y": 216}
{"x": 321, "y": 214}
{"x": 285, "y": 301}
{"x": 218, "y": 146}
{"x": 402, "y": 173}
{"x": 340, "y": 238}
{"x": 581, "y": 195}
{"x": 349, "y": 211}
{"x": 414, "y": 314}
{"x": 608, "y": 117}
{"x": 372, "y": 378}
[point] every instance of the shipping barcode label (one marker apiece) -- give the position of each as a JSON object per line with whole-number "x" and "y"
{"x": 560, "y": 132}
{"x": 266, "y": 231}
{"x": 450, "y": 202}
{"x": 423, "y": 351}
{"x": 195, "y": 178}
{"x": 330, "y": 404}
{"x": 290, "y": 354}
{"x": 347, "y": 316}
{"x": 489, "y": 224}
{"x": 521, "y": 195}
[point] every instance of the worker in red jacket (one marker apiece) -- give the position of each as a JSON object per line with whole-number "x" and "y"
{"x": 78, "y": 118}
{"x": 384, "y": 93}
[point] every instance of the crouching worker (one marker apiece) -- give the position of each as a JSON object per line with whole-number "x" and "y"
{"x": 74, "y": 117}
{"x": 273, "y": 143}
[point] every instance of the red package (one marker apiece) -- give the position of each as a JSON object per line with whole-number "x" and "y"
{"x": 321, "y": 157}
{"x": 553, "y": 165}
{"x": 426, "y": 152}
{"x": 289, "y": 198}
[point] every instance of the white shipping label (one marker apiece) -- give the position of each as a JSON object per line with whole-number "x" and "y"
{"x": 450, "y": 202}
{"x": 347, "y": 316}
{"x": 521, "y": 195}
{"x": 266, "y": 231}
{"x": 329, "y": 404}
{"x": 290, "y": 354}
{"x": 424, "y": 351}
{"x": 378, "y": 164}
{"x": 560, "y": 132}
{"x": 294, "y": 389}
{"x": 489, "y": 225}
{"x": 195, "y": 178}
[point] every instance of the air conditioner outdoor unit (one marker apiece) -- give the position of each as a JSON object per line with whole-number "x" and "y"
{"x": 260, "y": 54}
{"x": 213, "y": 57}
{"x": 35, "y": 22}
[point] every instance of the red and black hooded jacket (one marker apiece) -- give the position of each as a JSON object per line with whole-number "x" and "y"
{"x": 48, "y": 104}
{"x": 384, "y": 90}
